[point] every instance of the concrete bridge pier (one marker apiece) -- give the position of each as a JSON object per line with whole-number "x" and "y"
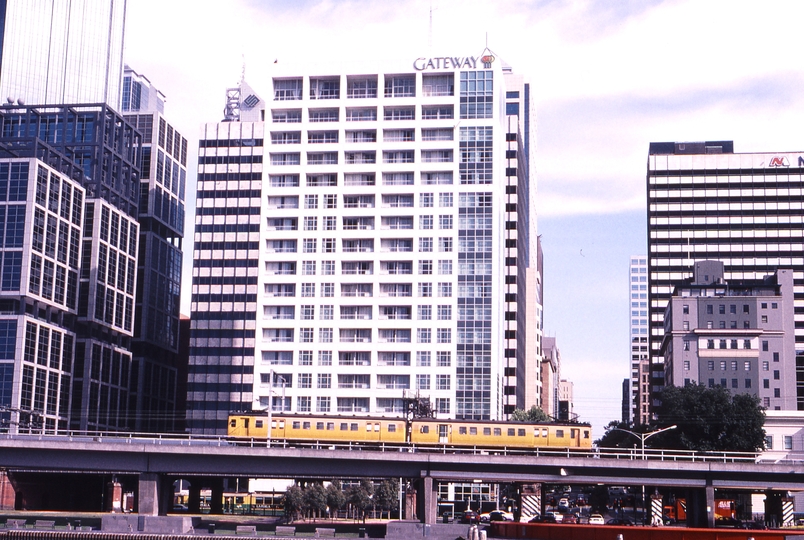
{"x": 149, "y": 493}
{"x": 701, "y": 507}
{"x": 429, "y": 500}
{"x": 194, "y": 496}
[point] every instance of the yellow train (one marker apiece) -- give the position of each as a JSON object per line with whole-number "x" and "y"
{"x": 419, "y": 431}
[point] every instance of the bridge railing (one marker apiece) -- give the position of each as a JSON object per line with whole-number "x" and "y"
{"x": 182, "y": 439}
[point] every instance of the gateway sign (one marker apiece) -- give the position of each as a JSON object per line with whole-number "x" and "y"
{"x": 445, "y": 62}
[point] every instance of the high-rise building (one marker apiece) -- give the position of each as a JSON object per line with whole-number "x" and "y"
{"x": 156, "y": 365}
{"x": 640, "y": 363}
{"x": 735, "y": 334}
{"x": 551, "y": 375}
{"x": 69, "y": 260}
{"x": 61, "y": 52}
{"x": 706, "y": 202}
{"x": 368, "y": 236}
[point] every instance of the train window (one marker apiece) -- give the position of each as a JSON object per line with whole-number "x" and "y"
{"x": 511, "y": 432}
{"x": 353, "y": 426}
{"x": 586, "y": 434}
{"x": 544, "y": 432}
{"x": 319, "y": 425}
{"x": 391, "y": 428}
{"x": 306, "y": 425}
{"x": 472, "y": 431}
{"x": 368, "y": 426}
{"x": 296, "y": 424}
{"x": 344, "y": 426}
{"x": 462, "y": 430}
{"x": 487, "y": 431}
{"x": 520, "y": 432}
{"x": 377, "y": 426}
{"x": 535, "y": 432}
{"x": 497, "y": 432}
{"x": 425, "y": 429}
{"x": 233, "y": 422}
{"x": 330, "y": 426}
{"x": 559, "y": 433}
{"x": 258, "y": 423}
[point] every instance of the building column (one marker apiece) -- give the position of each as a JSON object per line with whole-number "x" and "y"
{"x": 149, "y": 491}
{"x": 8, "y": 495}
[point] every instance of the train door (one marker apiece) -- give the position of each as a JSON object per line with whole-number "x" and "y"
{"x": 443, "y": 433}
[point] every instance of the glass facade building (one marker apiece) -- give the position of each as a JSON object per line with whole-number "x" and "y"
{"x": 61, "y": 52}
{"x": 366, "y": 237}
{"x": 639, "y": 385}
{"x": 746, "y": 210}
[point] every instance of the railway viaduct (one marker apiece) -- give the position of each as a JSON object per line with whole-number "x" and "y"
{"x": 156, "y": 462}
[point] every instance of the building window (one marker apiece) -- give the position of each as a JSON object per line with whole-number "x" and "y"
{"x": 710, "y": 343}
{"x": 423, "y": 358}
{"x": 445, "y": 289}
{"x": 425, "y": 290}
{"x": 686, "y": 345}
{"x": 307, "y": 313}
{"x": 325, "y": 335}
{"x": 305, "y": 380}
{"x": 424, "y": 335}
{"x": 322, "y": 404}
{"x": 777, "y": 392}
{"x": 324, "y": 358}
{"x": 425, "y": 313}
{"x": 423, "y": 382}
{"x": 444, "y": 335}
{"x": 746, "y": 344}
{"x": 442, "y": 382}
{"x": 305, "y": 335}
{"x": 426, "y": 200}
{"x": 443, "y": 359}
{"x": 710, "y": 365}
{"x": 445, "y": 244}
{"x": 425, "y": 245}
{"x": 426, "y": 222}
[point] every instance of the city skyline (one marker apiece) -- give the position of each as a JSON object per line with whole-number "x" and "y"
{"x": 605, "y": 98}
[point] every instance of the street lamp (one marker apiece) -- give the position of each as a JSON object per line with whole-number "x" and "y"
{"x": 645, "y": 436}
{"x": 642, "y": 438}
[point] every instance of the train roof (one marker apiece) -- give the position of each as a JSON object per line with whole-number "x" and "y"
{"x": 403, "y": 419}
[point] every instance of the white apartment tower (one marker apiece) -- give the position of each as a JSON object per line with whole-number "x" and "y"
{"x": 366, "y": 235}
{"x": 640, "y": 363}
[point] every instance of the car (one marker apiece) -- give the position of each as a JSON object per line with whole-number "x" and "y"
{"x": 756, "y": 525}
{"x": 180, "y": 508}
{"x": 570, "y": 519}
{"x": 621, "y": 522}
{"x": 563, "y": 504}
{"x": 543, "y": 519}
{"x": 723, "y": 521}
{"x": 499, "y": 515}
{"x": 470, "y": 516}
{"x": 596, "y": 519}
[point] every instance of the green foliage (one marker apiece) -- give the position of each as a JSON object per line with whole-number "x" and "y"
{"x": 335, "y": 497}
{"x": 315, "y": 500}
{"x": 360, "y": 498}
{"x": 711, "y": 419}
{"x": 386, "y": 495}
{"x": 534, "y": 415}
{"x": 293, "y": 502}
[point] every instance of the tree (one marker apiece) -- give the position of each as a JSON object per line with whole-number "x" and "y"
{"x": 385, "y": 496}
{"x": 360, "y": 499}
{"x": 335, "y": 498}
{"x": 534, "y": 415}
{"x": 710, "y": 419}
{"x": 293, "y": 502}
{"x": 315, "y": 500}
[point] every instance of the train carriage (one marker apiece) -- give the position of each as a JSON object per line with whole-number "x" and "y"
{"x": 318, "y": 428}
{"x": 500, "y": 434}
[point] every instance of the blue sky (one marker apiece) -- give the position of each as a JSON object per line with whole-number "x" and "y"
{"x": 609, "y": 77}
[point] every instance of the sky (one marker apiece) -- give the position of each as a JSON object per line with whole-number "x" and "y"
{"x": 609, "y": 77}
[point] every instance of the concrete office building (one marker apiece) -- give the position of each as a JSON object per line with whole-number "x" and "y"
{"x": 365, "y": 235}
{"x": 738, "y": 334}
{"x": 706, "y": 202}
{"x": 62, "y": 52}
{"x": 639, "y": 408}
{"x": 156, "y": 364}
